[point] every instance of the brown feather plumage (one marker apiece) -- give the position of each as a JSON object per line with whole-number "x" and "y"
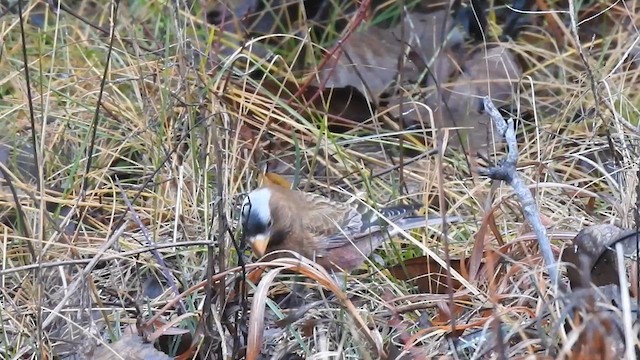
{"x": 334, "y": 234}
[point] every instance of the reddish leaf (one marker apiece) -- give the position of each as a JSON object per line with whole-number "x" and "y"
{"x": 427, "y": 274}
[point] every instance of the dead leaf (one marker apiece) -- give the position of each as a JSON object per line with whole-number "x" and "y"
{"x": 428, "y": 275}
{"x": 368, "y": 62}
{"x": 589, "y": 260}
{"x": 429, "y": 45}
{"x": 492, "y": 74}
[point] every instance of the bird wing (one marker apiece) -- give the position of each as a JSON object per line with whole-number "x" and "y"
{"x": 325, "y": 217}
{"x": 337, "y": 224}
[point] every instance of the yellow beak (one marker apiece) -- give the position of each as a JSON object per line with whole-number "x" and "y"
{"x": 259, "y": 244}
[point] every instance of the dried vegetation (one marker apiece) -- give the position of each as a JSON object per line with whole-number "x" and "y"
{"x": 130, "y": 131}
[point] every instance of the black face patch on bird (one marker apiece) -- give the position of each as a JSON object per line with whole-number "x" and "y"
{"x": 256, "y": 216}
{"x": 253, "y": 224}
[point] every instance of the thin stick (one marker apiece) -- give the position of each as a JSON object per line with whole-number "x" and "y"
{"x": 506, "y": 171}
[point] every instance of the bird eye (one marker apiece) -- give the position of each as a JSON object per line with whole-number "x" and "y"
{"x": 270, "y": 223}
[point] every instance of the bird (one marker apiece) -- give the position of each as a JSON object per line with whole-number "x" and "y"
{"x": 337, "y": 235}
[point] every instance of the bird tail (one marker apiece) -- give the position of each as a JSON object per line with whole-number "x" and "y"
{"x": 415, "y": 222}
{"x": 367, "y": 244}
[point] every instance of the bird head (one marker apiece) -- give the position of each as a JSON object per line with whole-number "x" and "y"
{"x": 257, "y": 221}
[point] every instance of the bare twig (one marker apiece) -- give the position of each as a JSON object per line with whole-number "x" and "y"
{"x": 506, "y": 171}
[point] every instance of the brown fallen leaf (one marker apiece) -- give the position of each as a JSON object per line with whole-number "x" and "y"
{"x": 492, "y": 74}
{"x": 589, "y": 258}
{"x": 427, "y": 274}
{"x": 371, "y": 60}
{"x": 368, "y": 62}
{"x": 430, "y": 47}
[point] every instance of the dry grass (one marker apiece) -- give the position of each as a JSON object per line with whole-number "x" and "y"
{"x": 165, "y": 145}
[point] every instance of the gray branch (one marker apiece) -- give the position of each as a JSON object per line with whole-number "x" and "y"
{"x": 506, "y": 171}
